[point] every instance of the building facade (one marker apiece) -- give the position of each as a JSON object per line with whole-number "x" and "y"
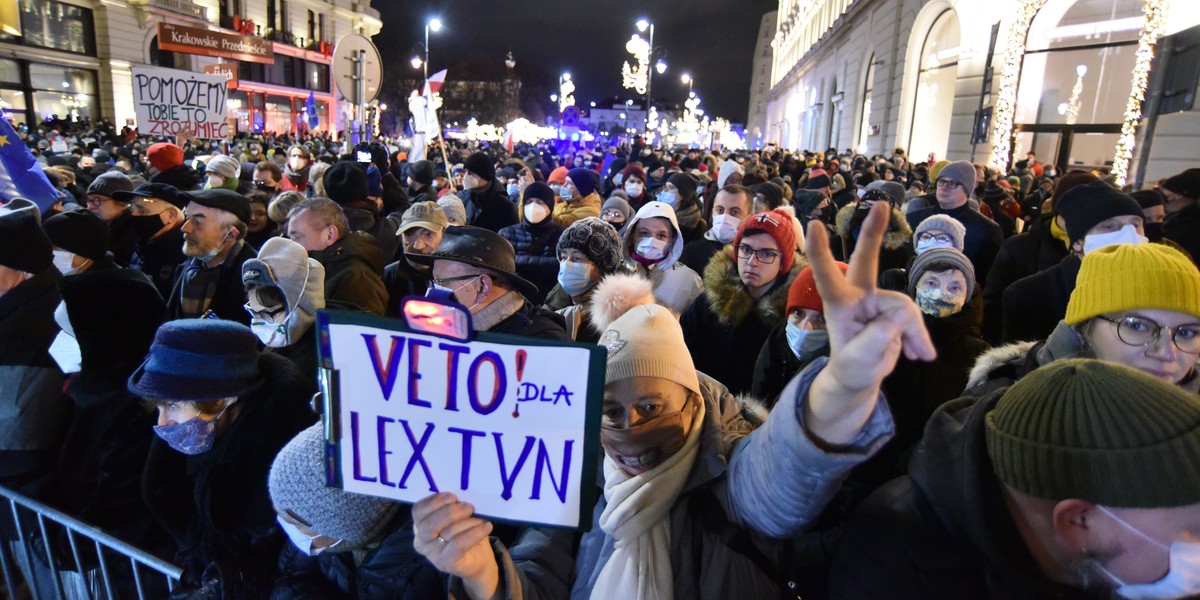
{"x": 989, "y": 81}
{"x": 760, "y": 81}
{"x": 74, "y": 58}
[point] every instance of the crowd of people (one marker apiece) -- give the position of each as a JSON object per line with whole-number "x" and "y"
{"x": 828, "y": 375}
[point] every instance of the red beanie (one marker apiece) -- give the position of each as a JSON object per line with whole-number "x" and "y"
{"x": 634, "y": 170}
{"x": 803, "y": 293}
{"x": 164, "y": 155}
{"x": 777, "y": 224}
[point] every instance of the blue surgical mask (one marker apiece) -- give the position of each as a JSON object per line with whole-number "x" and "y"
{"x": 806, "y": 344}
{"x": 574, "y": 277}
{"x": 566, "y": 193}
{"x": 193, "y": 436}
{"x": 511, "y": 188}
{"x": 668, "y": 198}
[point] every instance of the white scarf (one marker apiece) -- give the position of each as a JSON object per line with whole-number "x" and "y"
{"x": 636, "y": 518}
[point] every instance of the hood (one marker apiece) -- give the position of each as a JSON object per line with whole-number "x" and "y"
{"x": 729, "y": 299}
{"x": 898, "y": 234}
{"x": 996, "y": 358}
{"x": 360, "y": 219}
{"x": 358, "y": 246}
{"x": 655, "y": 209}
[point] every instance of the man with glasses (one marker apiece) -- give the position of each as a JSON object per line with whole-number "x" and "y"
{"x": 157, "y": 216}
{"x": 266, "y": 177}
{"x": 1182, "y": 224}
{"x": 103, "y": 201}
{"x": 953, "y": 188}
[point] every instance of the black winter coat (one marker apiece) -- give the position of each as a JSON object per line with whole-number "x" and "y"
{"x": 697, "y": 253}
{"x": 534, "y": 321}
{"x": 1034, "y": 305}
{"x": 489, "y": 207}
{"x": 353, "y": 272}
{"x": 181, "y": 177}
{"x": 159, "y": 258}
{"x": 401, "y": 279}
{"x": 122, "y": 238}
{"x": 776, "y": 366}
{"x": 537, "y": 255}
{"x": 1183, "y": 228}
{"x": 215, "y": 505}
{"x": 1021, "y": 256}
{"x": 229, "y": 300}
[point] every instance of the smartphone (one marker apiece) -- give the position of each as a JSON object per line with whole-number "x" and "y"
{"x": 363, "y": 156}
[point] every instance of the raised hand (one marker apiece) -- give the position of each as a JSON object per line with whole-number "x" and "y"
{"x": 456, "y": 542}
{"x": 868, "y": 328}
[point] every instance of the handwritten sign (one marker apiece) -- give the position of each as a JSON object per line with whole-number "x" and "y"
{"x": 167, "y": 102}
{"x": 508, "y": 424}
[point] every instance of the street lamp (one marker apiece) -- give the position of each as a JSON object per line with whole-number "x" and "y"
{"x": 436, "y": 26}
{"x": 687, "y": 78}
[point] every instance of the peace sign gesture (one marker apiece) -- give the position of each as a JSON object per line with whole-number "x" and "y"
{"x": 868, "y": 328}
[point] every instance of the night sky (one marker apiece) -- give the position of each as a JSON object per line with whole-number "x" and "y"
{"x": 713, "y": 40}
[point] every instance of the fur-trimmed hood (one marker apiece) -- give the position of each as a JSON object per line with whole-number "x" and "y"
{"x": 729, "y": 299}
{"x": 996, "y": 358}
{"x": 898, "y": 234}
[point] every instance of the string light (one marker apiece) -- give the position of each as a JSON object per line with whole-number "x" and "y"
{"x": 1010, "y": 75}
{"x": 1155, "y": 13}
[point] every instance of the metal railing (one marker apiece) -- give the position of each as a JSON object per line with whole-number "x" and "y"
{"x": 34, "y": 524}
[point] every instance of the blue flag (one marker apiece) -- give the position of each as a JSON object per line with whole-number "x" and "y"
{"x": 20, "y": 173}
{"x": 311, "y": 107}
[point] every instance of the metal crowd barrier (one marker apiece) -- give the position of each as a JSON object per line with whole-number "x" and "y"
{"x": 25, "y": 558}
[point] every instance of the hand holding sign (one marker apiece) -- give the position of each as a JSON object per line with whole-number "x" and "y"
{"x": 446, "y": 532}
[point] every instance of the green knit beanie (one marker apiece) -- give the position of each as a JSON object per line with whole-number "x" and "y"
{"x": 1099, "y": 432}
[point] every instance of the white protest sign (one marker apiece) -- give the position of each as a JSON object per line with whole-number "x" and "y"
{"x": 168, "y": 102}
{"x": 509, "y": 424}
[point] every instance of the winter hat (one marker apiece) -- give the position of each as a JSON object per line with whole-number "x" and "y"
{"x": 633, "y": 170}
{"x": 1148, "y": 198}
{"x": 683, "y": 182}
{"x": 945, "y": 224}
{"x": 726, "y": 169}
{"x": 778, "y": 224}
{"x": 620, "y": 204}
{"x": 961, "y": 171}
{"x": 643, "y": 339}
{"x": 23, "y": 244}
{"x": 1186, "y": 184}
{"x": 421, "y": 172}
{"x": 865, "y": 179}
{"x": 1085, "y": 206}
{"x": 114, "y": 314}
{"x": 345, "y": 183}
{"x": 541, "y": 192}
{"x": 224, "y": 166}
{"x": 164, "y": 156}
{"x": 803, "y": 293}
{"x": 223, "y": 199}
{"x": 558, "y": 176}
{"x": 110, "y": 183}
{"x": 937, "y": 257}
{"x": 480, "y": 248}
{"x": 936, "y": 169}
{"x": 806, "y": 201}
{"x": 456, "y": 213}
{"x": 1097, "y": 431}
{"x": 769, "y": 194}
{"x": 374, "y": 181}
{"x": 158, "y": 191}
{"x": 894, "y": 191}
{"x": 297, "y": 484}
{"x": 481, "y": 165}
{"x": 597, "y": 240}
{"x": 993, "y": 191}
{"x": 1134, "y": 276}
{"x": 817, "y": 179}
{"x": 1067, "y": 183}
{"x": 429, "y": 215}
{"x": 586, "y": 181}
{"x": 198, "y": 360}
{"x": 78, "y": 232}
{"x": 284, "y": 264}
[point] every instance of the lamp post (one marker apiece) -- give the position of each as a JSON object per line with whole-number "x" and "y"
{"x": 436, "y": 26}
{"x": 687, "y": 78}
{"x": 642, "y": 26}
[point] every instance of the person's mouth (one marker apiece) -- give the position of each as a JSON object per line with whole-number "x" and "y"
{"x": 640, "y": 463}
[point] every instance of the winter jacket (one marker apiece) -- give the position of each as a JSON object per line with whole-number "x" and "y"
{"x": 122, "y": 238}
{"x": 943, "y": 531}
{"x": 401, "y": 279}
{"x": 983, "y": 238}
{"x": 897, "y": 250}
{"x": 725, "y": 328}
{"x": 750, "y": 485}
{"x": 566, "y": 213}
{"x": 1183, "y": 228}
{"x": 159, "y": 257}
{"x": 34, "y": 413}
{"x": 383, "y": 229}
{"x": 537, "y": 257}
{"x": 353, "y": 272}
{"x": 180, "y": 177}
{"x": 391, "y": 570}
{"x": 776, "y": 365}
{"x": 488, "y": 207}
{"x": 1021, "y": 256}
{"x": 229, "y": 299}
{"x": 697, "y": 253}
{"x": 674, "y": 285}
{"x": 533, "y": 321}
{"x": 215, "y": 504}
{"x": 1034, "y": 305}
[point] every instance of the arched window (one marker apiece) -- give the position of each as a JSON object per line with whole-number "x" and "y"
{"x": 835, "y": 115}
{"x": 864, "y": 125}
{"x": 930, "y": 124}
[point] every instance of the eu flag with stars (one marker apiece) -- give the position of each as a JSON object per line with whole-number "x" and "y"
{"x": 20, "y": 173}
{"x": 310, "y": 107}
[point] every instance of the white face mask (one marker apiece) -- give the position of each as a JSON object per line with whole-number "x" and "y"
{"x": 1126, "y": 235}
{"x": 270, "y": 333}
{"x": 301, "y": 540}
{"x": 931, "y": 243}
{"x": 470, "y": 181}
{"x": 724, "y": 228}
{"x": 535, "y": 212}
{"x": 63, "y": 260}
{"x": 652, "y": 248}
{"x": 297, "y": 163}
{"x": 1183, "y": 575}
{"x": 634, "y": 189}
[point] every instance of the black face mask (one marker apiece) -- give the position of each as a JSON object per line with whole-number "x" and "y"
{"x": 146, "y": 226}
{"x": 860, "y": 215}
{"x": 1154, "y": 231}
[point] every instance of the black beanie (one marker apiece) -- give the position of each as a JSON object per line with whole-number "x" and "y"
{"x": 79, "y": 232}
{"x": 1186, "y": 184}
{"x": 540, "y": 191}
{"x": 1148, "y": 198}
{"x": 23, "y": 244}
{"x": 771, "y": 194}
{"x": 345, "y": 183}
{"x": 1085, "y": 206}
{"x": 586, "y": 181}
{"x": 684, "y": 183}
{"x": 421, "y": 172}
{"x": 481, "y": 165}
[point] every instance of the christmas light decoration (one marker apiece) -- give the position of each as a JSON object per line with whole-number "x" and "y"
{"x": 1010, "y": 76}
{"x": 1152, "y": 30}
{"x": 636, "y": 77}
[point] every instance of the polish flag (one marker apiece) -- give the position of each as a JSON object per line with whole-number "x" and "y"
{"x": 435, "y": 83}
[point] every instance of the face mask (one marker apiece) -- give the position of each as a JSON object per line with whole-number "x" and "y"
{"x": 805, "y": 343}
{"x": 566, "y": 193}
{"x": 511, "y": 189}
{"x": 1125, "y": 235}
{"x": 574, "y": 277}
{"x": 1154, "y": 231}
{"x": 556, "y": 188}
{"x": 668, "y": 198}
{"x": 145, "y": 226}
{"x": 215, "y": 181}
{"x": 648, "y": 443}
{"x": 63, "y": 260}
{"x": 652, "y": 249}
{"x": 297, "y": 163}
{"x": 936, "y": 303}
{"x": 932, "y": 243}
{"x": 194, "y": 436}
{"x": 634, "y": 189}
{"x": 535, "y": 212}
{"x": 1183, "y": 576}
{"x": 270, "y": 333}
{"x": 216, "y": 249}
{"x": 440, "y": 292}
{"x": 617, "y": 179}
{"x": 724, "y": 228}
{"x": 470, "y": 182}
{"x": 302, "y": 541}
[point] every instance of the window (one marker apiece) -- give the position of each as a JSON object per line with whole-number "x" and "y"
{"x": 929, "y": 127}
{"x": 864, "y": 126}
{"x": 63, "y": 92}
{"x": 56, "y": 25}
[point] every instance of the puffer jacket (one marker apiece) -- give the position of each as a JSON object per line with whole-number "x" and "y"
{"x": 566, "y": 213}
{"x": 725, "y": 328}
{"x": 354, "y": 272}
{"x": 674, "y": 285}
{"x": 537, "y": 257}
{"x": 897, "y": 250}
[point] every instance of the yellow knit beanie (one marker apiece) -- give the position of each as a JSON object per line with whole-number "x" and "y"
{"x": 1132, "y": 276}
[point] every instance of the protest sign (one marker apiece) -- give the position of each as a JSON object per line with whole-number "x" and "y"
{"x": 167, "y": 102}
{"x": 509, "y": 424}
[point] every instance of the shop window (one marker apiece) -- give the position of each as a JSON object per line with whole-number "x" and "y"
{"x": 13, "y": 104}
{"x": 278, "y": 114}
{"x": 56, "y": 25}
{"x": 930, "y": 127}
{"x": 10, "y": 71}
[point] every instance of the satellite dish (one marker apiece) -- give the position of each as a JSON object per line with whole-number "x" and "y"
{"x": 350, "y": 49}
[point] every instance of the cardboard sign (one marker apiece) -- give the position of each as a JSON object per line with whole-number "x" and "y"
{"x": 509, "y": 424}
{"x": 168, "y": 101}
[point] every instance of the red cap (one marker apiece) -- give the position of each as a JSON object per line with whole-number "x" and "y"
{"x": 803, "y": 293}
{"x": 164, "y": 155}
{"x": 779, "y": 225}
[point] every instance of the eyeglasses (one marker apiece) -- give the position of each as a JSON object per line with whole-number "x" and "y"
{"x": 443, "y": 282}
{"x": 612, "y": 214}
{"x": 765, "y": 256}
{"x": 1140, "y": 331}
{"x": 950, "y": 183}
{"x": 263, "y": 184}
{"x": 940, "y": 238}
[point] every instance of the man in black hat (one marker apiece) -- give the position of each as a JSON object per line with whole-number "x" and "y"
{"x": 477, "y": 268}
{"x": 213, "y": 230}
{"x": 103, "y": 202}
{"x": 420, "y": 182}
{"x": 486, "y": 203}
{"x": 80, "y": 241}
{"x": 1182, "y": 224}
{"x": 157, "y": 217}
